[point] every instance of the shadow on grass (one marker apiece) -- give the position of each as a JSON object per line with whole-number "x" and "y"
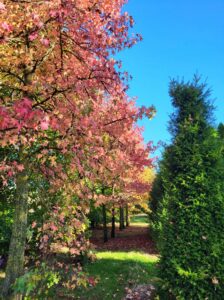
{"x": 2, "y": 276}
{"x": 115, "y": 271}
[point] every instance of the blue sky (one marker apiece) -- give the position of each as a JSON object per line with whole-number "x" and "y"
{"x": 180, "y": 38}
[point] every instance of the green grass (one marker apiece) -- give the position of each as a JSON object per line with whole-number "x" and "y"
{"x": 115, "y": 271}
{"x": 2, "y": 276}
{"x": 139, "y": 219}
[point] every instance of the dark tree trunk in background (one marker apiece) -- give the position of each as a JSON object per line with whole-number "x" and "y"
{"x": 123, "y": 218}
{"x": 120, "y": 221}
{"x": 15, "y": 264}
{"x": 105, "y": 237}
{"x": 113, "y": 223}
{"x": 121, "y": 210}
{"x": 127, "y": 216}
{"x": 92, "y": 224}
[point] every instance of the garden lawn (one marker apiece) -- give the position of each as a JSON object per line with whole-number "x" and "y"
{"x": 2, "y": 276}
{"x": 116, "y": 271}
{"x": 140, "y": 220}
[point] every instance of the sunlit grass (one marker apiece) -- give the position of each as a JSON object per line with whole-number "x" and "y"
{"x": 115, "y": 271}
{"x": 141, "y": 218}
{"x": 2, "y": 276}
{"x": 139, "y": 224}
{"x": 131, "y": 256}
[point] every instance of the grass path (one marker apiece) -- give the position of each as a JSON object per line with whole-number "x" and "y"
{"x": 116, "y": 272}
{"x": 122, "y": 263}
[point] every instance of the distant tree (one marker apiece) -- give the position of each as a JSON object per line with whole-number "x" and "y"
{"x": 192, "y": 207}
{"x": 155, "y": 197}
{"x": 127, "y": 216}
{"x": 221, "y": 130}
{"x": 221, "y": 137}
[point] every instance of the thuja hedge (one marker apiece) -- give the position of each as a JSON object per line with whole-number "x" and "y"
{"x": 190, "y": 215}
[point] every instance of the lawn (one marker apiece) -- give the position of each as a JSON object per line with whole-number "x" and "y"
{"x": 116, "y": 271}
{"x": 140, "y": 220}
{"x": 2, "y": 276}
{"x": 132, "y": 262}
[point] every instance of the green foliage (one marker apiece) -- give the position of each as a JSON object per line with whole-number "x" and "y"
{"x": 190, "y": 215}
{"x": 221, "y": 131}
{"x": 46, "y": 281}
{"x": 6, "y": 217}
{"x": 156, "y": 195}
{"x": 38, "y": 283}
{"x": 95, "y": 216}
{"x": 6, "y": 204}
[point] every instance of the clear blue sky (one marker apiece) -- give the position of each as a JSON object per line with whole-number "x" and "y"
{"x": 180, "y": 38}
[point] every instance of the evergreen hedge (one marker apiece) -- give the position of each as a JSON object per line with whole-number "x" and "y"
{"x": 190, "y": 216}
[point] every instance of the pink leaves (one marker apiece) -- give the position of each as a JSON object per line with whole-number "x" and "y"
{"x": 9, "y": 170}
{"x": 45, "y": 123}
{"x": 74, "y": 251}
{"x": 23, "y": 108}
{"x": 2, "y": 6}
{"x": 34, "y": 224}
{"x": 148, "y": 112}
{"x": 45, "y": 238}
{"x": 92, "y": 281}
{"x": 10, "y": 173}
{"x": 45, "y": 42}
{"x": 53, "y": 227}
{"x": 33, "y": 36}
{"x": 5, "y": 120}
{"x": 60, "y": 232}
{"x": 20, "y": 167}
{"x": 6, "y": 26}
{"x": 23, "y": 115}
{"x": 77, "y": 108}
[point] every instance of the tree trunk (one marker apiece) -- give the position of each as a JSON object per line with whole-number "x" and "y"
{"x": 120, "y": 221}
{"x": 15, "y": 264}
{"x": 105, "y": 237}
{"x": 92, "y": 224}
{"x": 121, "y": 227}
{"x": 113, "y": 223}
{"x": 122, "y": 214}
{"x": 127, "y": 216}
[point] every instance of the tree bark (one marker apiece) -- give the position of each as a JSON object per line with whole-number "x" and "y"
{"x": 105, "y": 236}
{"x": 15, "y": 264}
{"x": 123, "y": 223}
{"x": 121, "y": 227}
{"x": 127, "y": 216}
{"x": 113, "y": 223}
{"x": 120, "y": 221}
{"x": 92, "y": 224}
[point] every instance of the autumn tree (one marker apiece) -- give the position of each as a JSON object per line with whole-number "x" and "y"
{"x": 62, "y": 87}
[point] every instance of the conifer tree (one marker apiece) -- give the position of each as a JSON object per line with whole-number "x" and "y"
{"x": 192, "y": 208}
